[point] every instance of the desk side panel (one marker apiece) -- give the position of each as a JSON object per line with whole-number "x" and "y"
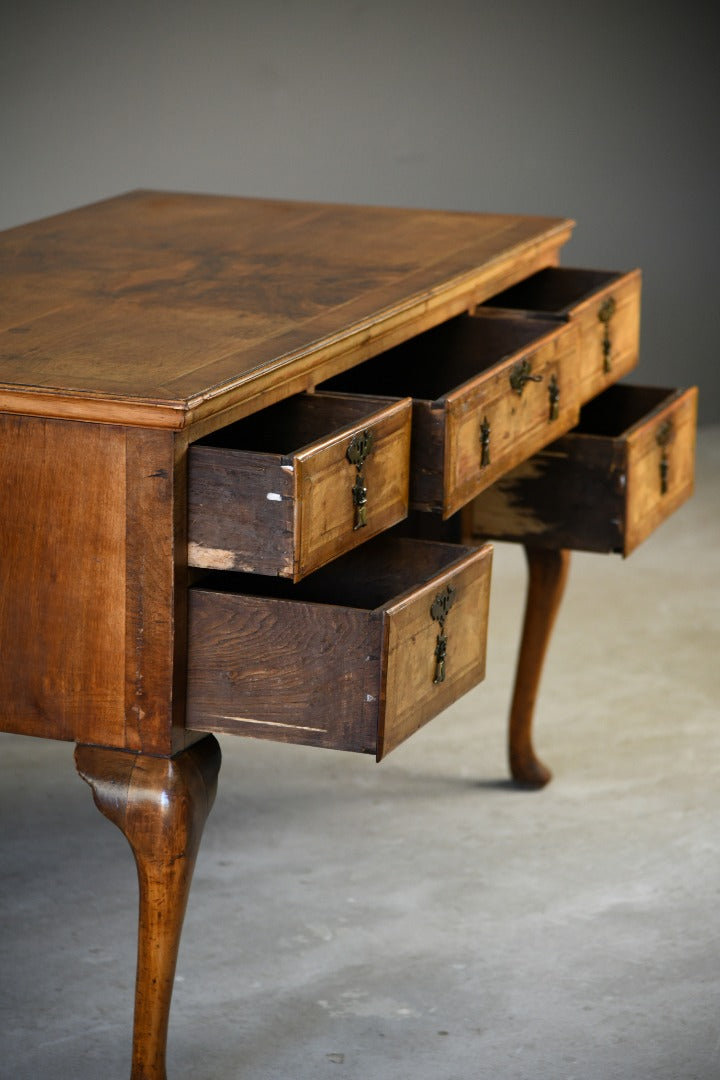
{"x": 86, "y": 584}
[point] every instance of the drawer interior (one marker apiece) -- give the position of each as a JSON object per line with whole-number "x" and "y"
{"x": 437, "y": 361}
{"x": 619, "y": 408}
{"x": 381, "y": 570}
{"x": 553, "y": 290}
{"x": 293, "y": 423}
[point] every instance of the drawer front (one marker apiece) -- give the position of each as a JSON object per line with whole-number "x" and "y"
{"x": 660, "y": 466}
{"x": 603, "y": 487}
{"x": 424, "y": 673}
{"x": 495, "y": 422}
{"x": 330, "y": 518}
{"x": 609, "y": 325}
{"x": 487, "y": 390}
{"x": 605, "y": 306}
{"x": 287, "y": 513}
{"x": 324, "y": 663}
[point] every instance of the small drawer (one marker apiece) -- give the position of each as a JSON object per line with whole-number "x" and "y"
{"x": 357, "y": 656}
{"x": 487, "y": 391}
{"x": 606, "y": 485}
{"x": 257, "y": 503}
{"x": 605, "y": 305}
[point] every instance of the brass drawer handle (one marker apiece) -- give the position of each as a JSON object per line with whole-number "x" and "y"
{"x": 605, "y": 314}
{"x": 521, "y": 374}
{"x": 554, "y": 395}
{"x": 439, "y": 609}
{"x": 484, "y": 442}
{"x": 357, "y": 453}
{"x": 663, "y": 437}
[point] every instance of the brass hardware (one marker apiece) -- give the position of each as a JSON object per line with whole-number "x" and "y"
{"x": 484, "y": 442}
{"x": 442, "y": 603}
{"x": 663, "y": 437}
{"x": 439, "y": 609}
{"x": 440, "y": 655}
{"x": 357, "y": 453}
{"x": 521, "y": 374}
{"x": 605, "y": 314}
{"x": 554, "y": 395}
{"x": 359, "y": 494}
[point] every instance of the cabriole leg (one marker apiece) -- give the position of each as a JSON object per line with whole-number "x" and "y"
{"x": 548, "y": 570}
{"x": 160, "y": 805}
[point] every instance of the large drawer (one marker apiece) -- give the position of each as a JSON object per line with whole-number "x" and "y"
{"x": 487, "y": 391}
{"x": 606, "y": 485}
{"x": 356, "y": 657}
{"x": 605, "y": 306}
{"x": 294, "y": 485}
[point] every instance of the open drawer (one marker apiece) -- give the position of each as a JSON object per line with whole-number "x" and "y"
{"x": 605, "y": 306}
{"x": 356, "y": 657}
{"x": 487, "y": 391}
{"x": 606, "y": 485}
{"x": 291, "y": 487}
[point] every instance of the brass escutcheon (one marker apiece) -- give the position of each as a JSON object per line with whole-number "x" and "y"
{"x": 484, "y": 442}
{"x": 360, "y": 446}
{"x": 554, "y": 395}
{"x": 439, "y": 609}
{"x": 357, "y": 453}
{"x": 663, "y": 437}
{"x": 605, "y": 314}
{"x": 520, "y": 374}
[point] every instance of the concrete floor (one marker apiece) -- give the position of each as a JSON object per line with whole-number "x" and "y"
{"x": 420, "y": 919}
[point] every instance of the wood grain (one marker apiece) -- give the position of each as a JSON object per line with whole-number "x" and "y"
{"x": 647, "y": 504}
{"x": 62, "y": 579}
{"x": 579, "y": 296}
{"x": 459, "y": 375}
{"x": 88, "y": 593}
{"x": 547, "y": 576}
{"x": 160, "y": 805}
{"x": 325, "y": 513}
{"x": 241, "y": 511}
{"x": 157, "y": 308}
{"x": 155, "y": 592}
{"x": 307, "y": 663}
{"x": 411, "y": 696}
{"x": 597, "y": 488}
{"x": 520, "y": 423}
{"x": 283, "y": 669}
{"x": 262, "y": 502}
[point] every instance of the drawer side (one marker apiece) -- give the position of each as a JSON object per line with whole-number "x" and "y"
{"x": 240, "y": 511}
{"x": 282, "y": 670}
{"x": 571, "y": 495}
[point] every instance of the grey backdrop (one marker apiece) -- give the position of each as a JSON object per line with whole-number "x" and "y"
{"x": 606, "y": 113}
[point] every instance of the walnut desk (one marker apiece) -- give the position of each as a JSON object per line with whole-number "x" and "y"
{"x": 236, "y": 436}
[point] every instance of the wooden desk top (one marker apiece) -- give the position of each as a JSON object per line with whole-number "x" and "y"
{"x": 158, "y": 309}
